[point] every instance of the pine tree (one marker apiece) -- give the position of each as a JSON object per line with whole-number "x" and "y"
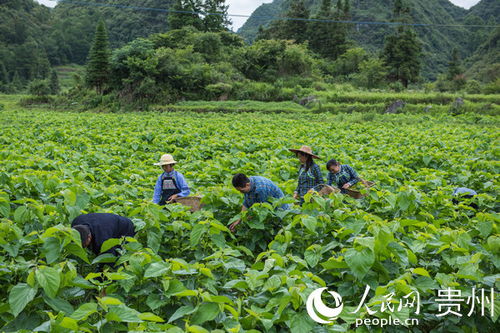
{"x": 319, "y": 32}
{"x": 54, "y": 83}
{"x": 216, "y": 22}
{"x": 296, "y": 28}
{"x": 177, "y": 18}
{"x": 402, "y": 50}
{"x": 4, "y": 75}
{"x": 98, "y": 68}
{"x": 454, "y": 66}
{"x": 16, "y": 83}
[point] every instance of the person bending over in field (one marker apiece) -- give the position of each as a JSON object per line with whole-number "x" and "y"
{"x": 256, "y": 189}
{"x": 309, "y": 172}
{"x": 341, "y": 175}
{"x": 461, "y": 193}
{"x": 170, "y": 184}
{"x": 96, "y": 228}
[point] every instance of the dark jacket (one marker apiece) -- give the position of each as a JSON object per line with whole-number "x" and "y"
{"x": 104, "y": 226}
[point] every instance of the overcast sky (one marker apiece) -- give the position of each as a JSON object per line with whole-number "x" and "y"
{"x": 246, "y": 7}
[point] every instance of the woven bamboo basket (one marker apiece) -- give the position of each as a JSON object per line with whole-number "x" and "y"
{"x": 194, "y": 202}
{"x": 327, "y": 189}
{"x": 357, "y": 194}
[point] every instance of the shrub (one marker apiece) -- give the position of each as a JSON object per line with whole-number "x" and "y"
{"x": 473, "y": 87}
{"x": 492, "y": 88}
{"x": 39, "y": 88}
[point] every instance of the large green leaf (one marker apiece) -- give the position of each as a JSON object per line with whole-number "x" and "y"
{"x": 206, "y": 312}
{"x": 110, "y": 243}
{"x": 181, "y": 312}
{"x": 52, "y": 249}
{"x": 123, "y": 313}
{"x": 84, "y": 311}
{"x": 49, "y": 279}
{"x": 359, "y": 262}
{"x": 196, "y": 233}
{"x": 20, "y": 295}
{"x": 4, "y": 204}
{"x": 300, "y": 323}
{"x": 156, "y": 269}
{"x": 313, "y": 255}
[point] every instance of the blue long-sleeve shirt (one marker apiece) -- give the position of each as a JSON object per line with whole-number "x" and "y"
{"x": 344, "y": 176}
{"x": 179, "y": 180}
{"x": 261, "y": 189}
{"x": 308, "y": 180}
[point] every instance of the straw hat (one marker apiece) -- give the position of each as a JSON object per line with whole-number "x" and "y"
{"x": 166, "y": 159}
{"x": 304, "y": 149}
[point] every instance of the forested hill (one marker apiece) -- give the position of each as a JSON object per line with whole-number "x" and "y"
{"x": 23, "y": 25}
{"x": 74, "y": 23}
{"x": 487, "y": 10}
{"x": 438, "y": 42}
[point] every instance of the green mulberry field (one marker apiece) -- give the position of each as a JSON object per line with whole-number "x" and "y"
{"x": 186, "y": 272}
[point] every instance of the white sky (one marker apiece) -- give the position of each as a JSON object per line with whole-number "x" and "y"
{"x": 246, "y": 7}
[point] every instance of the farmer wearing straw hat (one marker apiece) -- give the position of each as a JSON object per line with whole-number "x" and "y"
{"x": 309, "y": 172}
{"x": 170, "y": 184}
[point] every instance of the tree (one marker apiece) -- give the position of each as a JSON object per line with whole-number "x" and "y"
{"x": 329, "y": 39}
{"x": 98, "y": 67}
{"x": 454, "y": 66}
{"x": 320, "y": 32}
{"x": 372, "y": 73}
{"x": 4, "y": 75}
{"x": 218, "y": 19}
{"x": 296, "y": 27}
{"x": 402, "y": 50}
{"x": 207, "y": 15}
{"x": 181, "y": 15}
{"x": 16, "y": 83}
{"x": 39, "y": 88}
{"x": 54, "y": 83}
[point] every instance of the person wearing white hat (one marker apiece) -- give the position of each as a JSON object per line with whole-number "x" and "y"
{"x": 171, "y": 184}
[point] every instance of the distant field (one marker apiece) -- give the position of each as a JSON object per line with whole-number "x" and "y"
{"x": 187, "y": 273}
{"x": 65, "y": 74}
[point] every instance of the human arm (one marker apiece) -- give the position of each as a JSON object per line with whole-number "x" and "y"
{"x": 318, "y": 177}
{"x": 353, "y": 177}
{"x": 329, "y": 179}
{"x": 183, "y": 186}
{"x": 233, "y": 225}
{"x": 296, "y": 192}
{"x": 157, "y": 192}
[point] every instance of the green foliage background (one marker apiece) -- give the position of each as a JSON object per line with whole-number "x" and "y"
{"x": 186, "y": 272}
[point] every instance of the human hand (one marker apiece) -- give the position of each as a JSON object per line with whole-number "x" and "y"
{"x": 233, "y": 225}
{"x": 346, "y": 186}
{"x": 173, "y": 197}
{"x": 295, "y": 196}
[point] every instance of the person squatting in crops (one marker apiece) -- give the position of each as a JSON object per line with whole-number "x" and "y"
{"x": 341, "y": 175}
{"x": 461, "y": 193}
{"x": 256, "y": 189}
{"x": 309, "y": 173}
{"x": 171, "y": 184}
{"x": 96, "y": 228}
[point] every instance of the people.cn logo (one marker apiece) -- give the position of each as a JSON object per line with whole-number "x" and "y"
{"x": 316, "y": 307}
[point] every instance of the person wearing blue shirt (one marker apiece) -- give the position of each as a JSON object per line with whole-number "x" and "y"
{"x": 342, "y": 176}
{"x": 171, "y": 184}
{"x": 310, "y": 176}
{"x": 461, "y": 193}
{"x": 256, "y": 190}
